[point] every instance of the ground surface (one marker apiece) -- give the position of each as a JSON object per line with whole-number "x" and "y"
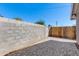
{"x": 48, "y": 48}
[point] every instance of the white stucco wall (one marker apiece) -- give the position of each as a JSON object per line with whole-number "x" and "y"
{"x": 77, "y": 31}
{"x": 16, "y": 35}
{"x": 77, "y": 26}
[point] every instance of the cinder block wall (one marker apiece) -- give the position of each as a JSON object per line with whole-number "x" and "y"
{"x": 16, "y": 35}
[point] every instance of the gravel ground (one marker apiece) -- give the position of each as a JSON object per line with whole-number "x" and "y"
{"x": 48, "y": 48}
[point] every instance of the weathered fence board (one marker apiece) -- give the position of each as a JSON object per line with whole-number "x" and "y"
{"x": 63, "y": 32}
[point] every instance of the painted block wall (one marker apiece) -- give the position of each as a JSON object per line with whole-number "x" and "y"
{"x": 15, "y": 35}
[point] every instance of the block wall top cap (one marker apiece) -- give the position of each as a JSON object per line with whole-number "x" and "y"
{"x": 2, "y": 19}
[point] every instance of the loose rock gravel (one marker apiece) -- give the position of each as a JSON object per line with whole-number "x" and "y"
{"x": 48, "y": 48}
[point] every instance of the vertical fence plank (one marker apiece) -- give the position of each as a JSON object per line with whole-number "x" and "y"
{"x": 63, "y": 32}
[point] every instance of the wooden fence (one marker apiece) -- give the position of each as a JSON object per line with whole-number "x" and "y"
{"x": 63, "y": 32}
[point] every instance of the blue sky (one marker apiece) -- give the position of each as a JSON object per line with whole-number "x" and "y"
{"x": 32, "y": 12}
